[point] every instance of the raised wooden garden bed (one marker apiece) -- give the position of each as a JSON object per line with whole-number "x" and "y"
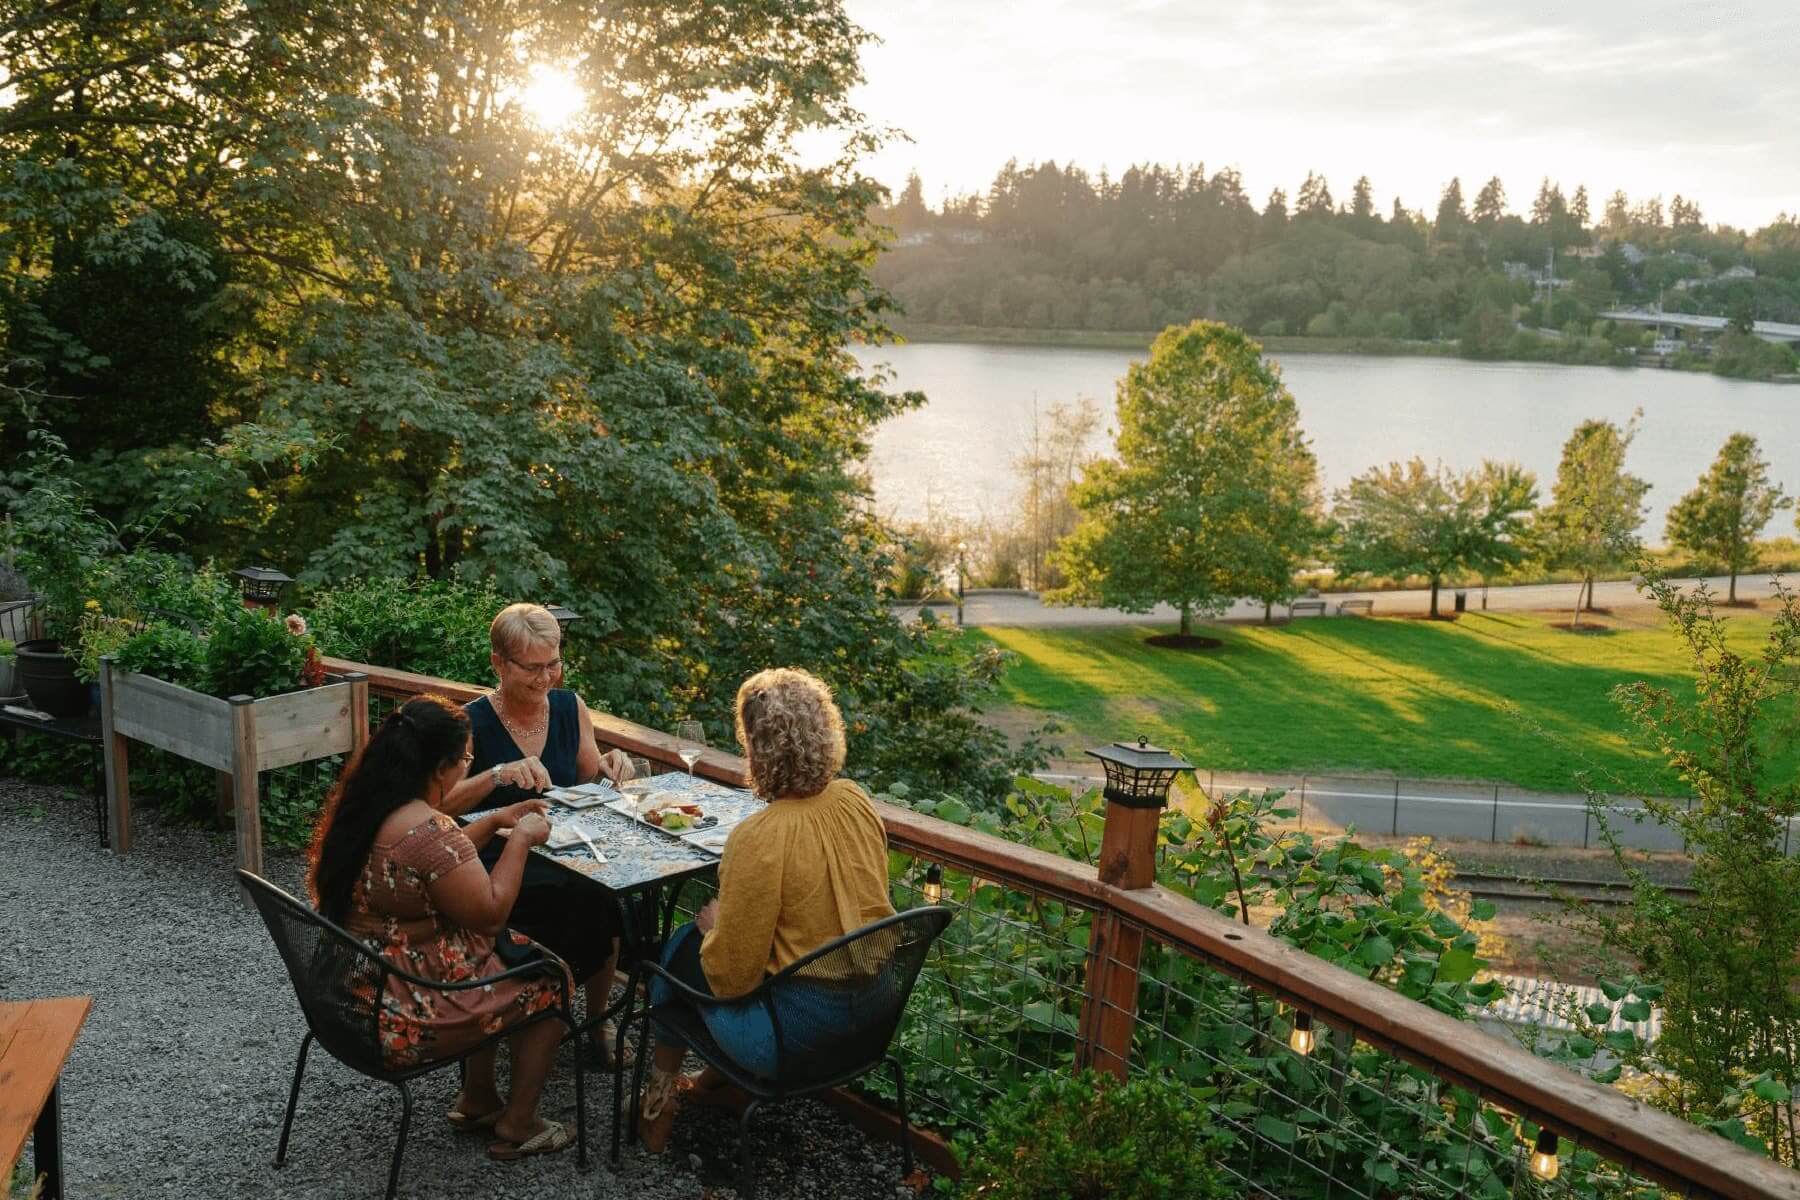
{"x": 240, "y": 737}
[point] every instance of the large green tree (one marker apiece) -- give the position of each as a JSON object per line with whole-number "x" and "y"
{"x": 1213, "y": 494}
{"x": 1595, "y": 506}
{"x": 1727, "y": 510}
{"x": 1409, "y": 519}
{"x": 539, "y": 293}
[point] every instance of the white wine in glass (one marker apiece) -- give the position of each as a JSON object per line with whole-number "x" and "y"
{"x": 690, "y": 744}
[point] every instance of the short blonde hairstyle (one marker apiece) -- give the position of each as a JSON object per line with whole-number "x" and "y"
{"x": 521, "y": 626}
{"x": 791, "y": 732}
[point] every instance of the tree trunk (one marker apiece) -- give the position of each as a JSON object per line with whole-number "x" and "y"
{"x": 1187, "y": 621}
{"x": 1588, "y": 587}
{"x": 1268, "y": 612}
{"x": 1731, "y": 594}
{"x": 1434, "y": 591}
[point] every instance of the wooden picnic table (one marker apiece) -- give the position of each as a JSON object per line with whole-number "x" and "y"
{"x": 35, "y": 1039}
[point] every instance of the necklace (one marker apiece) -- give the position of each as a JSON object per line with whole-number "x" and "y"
{"x": 520, "y": 735}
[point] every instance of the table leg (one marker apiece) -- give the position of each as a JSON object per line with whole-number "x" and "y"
{"x": 46, "y": 1145}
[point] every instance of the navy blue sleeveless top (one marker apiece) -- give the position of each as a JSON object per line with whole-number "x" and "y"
{"x": 493, "y": 745}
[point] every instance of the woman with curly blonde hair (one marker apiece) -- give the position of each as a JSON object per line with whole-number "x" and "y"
{"x": 804, "y": 871}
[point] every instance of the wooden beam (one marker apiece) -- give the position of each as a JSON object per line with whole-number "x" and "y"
{"x": 246, "y": 810}
{"x": 117, "y": 753}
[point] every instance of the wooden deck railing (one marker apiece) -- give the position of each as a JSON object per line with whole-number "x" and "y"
{"x": 1607, "y": 1122}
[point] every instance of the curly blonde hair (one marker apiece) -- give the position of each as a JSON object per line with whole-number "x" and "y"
{"x": 791, "y": 732}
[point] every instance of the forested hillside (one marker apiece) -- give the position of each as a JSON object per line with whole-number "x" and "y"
{"x": 1052, "y": 247}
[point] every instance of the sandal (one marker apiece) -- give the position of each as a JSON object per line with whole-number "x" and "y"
{"x": 656, "y": 1110}
{"x": 601, "y": 1052}
{"x": 472, "y": 1122}
{"x": 551, "y": 1139}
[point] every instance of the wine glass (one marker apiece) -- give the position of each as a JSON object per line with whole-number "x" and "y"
{"x": 690, "y": 744}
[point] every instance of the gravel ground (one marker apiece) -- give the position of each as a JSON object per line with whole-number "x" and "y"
{"x": 177, "y": 1086}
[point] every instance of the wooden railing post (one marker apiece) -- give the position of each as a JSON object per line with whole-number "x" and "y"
{"x": 1109, "y": 1002}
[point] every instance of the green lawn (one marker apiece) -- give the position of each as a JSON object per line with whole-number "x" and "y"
{"x": 1424, "y": 699}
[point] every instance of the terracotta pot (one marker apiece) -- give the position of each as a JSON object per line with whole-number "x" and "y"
{"x": 48, "y": 676}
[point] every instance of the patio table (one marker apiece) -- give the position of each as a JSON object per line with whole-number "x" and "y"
{"x": 36, "y": 1037}
{"x": 644, "y": 868}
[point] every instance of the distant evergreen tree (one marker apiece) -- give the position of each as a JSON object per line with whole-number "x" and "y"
{"x": 1362, "y": 199}
{"x": 1315, "y": 197}
{"x": 1451, "y": 216}
{"x": 1490, "y": 202}
{"x": 1276, "y": 210}
{"x": 1618, "y": 212}
{"x": 1578, "y": 207}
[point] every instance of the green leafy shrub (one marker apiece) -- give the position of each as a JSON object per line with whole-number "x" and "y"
{"x": 97, "y": 636}
{"x": 433, "y": 627}
{"x": 1088, "y": 1137}
{"x": 167, "y": 652}
{"x": 252, "y": 654}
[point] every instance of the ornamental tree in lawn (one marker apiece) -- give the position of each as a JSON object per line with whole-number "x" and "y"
{"x": 1591, "y": 521}
{"x": 1727, "y": 510}
{"x": 1407, "y": 519}
{"x": 1213, "y": 493}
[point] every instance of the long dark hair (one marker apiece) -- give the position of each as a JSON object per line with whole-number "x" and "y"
{"x": 418, "y": 739}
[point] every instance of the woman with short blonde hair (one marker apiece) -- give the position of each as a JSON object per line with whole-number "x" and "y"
{"x": 531, "y": 734}
{"x": 806, "y": 870}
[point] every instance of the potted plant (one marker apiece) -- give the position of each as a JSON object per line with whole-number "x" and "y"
{"x": 54, "y": 536}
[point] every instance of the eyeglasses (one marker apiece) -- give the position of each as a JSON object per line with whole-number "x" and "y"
{"x": 537, "y": 669}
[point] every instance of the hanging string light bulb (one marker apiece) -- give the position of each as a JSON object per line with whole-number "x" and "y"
{"x": 1301, "y": 1040}
{"x": 934, "y": 884}
{"x": 1543, "y": 1155}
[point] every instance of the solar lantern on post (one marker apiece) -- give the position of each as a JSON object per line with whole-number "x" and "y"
{"x": 261, "y": 587}
{"x": 565, "y": 617}
{"x": 1138, "y": 778}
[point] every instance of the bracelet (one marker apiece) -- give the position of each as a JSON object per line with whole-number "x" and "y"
{"x": 494, "y": 774}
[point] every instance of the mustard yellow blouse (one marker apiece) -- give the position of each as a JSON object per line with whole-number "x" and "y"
{"x": 795, "y": 876}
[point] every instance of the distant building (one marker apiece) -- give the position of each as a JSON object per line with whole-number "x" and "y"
{"x": 1666, "y": 346}
{"x": 1741, "y": 271}
{"x": 1631, "y": 253}
{"x": 1595, "y": 251}
{"x": 918, "y": 237}
{"x": 1518, "y": 270}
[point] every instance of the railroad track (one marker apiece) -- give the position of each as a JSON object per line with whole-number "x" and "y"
{"x": 1545, "y": 891}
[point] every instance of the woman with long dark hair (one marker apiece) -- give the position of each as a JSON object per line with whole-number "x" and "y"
{"x": 400, "y": 875}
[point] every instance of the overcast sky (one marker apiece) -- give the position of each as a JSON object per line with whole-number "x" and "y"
{"x": 1699, "y": 98}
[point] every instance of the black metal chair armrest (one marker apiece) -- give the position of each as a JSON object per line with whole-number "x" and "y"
{"x": 756, "y": 993}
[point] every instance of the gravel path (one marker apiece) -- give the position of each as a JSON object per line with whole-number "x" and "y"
{"x": 177, "y": 1086}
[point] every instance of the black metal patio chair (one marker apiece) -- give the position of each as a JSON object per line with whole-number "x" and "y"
{"x": 866, "y": 975}
{"x": 333, "y": 974}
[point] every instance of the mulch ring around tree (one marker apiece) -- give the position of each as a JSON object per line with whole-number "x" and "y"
{"x": 1183, "y": 641}
{"x": 1587, "y": 626}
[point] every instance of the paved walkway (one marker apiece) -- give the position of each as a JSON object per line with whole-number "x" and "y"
{"x": 1024, "y": 608}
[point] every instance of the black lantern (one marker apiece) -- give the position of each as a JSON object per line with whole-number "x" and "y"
{"x": 564, "y": 616}
{"x": 261, "y": 586}
{"x": 934, "y": 884}
{"x": 1138, "y": 776}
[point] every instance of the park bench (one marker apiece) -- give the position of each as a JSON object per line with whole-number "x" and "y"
{"x": 35, "y": 1039}
{"x": 1366, "y": 607}
{"x": 1315, "y": 607}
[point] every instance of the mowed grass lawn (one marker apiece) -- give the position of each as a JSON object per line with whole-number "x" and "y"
{"x": 1426, "y": 699}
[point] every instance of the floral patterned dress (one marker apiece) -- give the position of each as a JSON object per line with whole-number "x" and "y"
{"x": 391, "y": 909}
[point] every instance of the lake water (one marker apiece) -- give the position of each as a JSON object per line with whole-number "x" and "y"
{"x": 954, "y": 456}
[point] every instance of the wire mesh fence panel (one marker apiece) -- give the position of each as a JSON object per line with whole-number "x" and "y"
{"x": 999, "y": 1000}
{"x": 1316, "y": 1111}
